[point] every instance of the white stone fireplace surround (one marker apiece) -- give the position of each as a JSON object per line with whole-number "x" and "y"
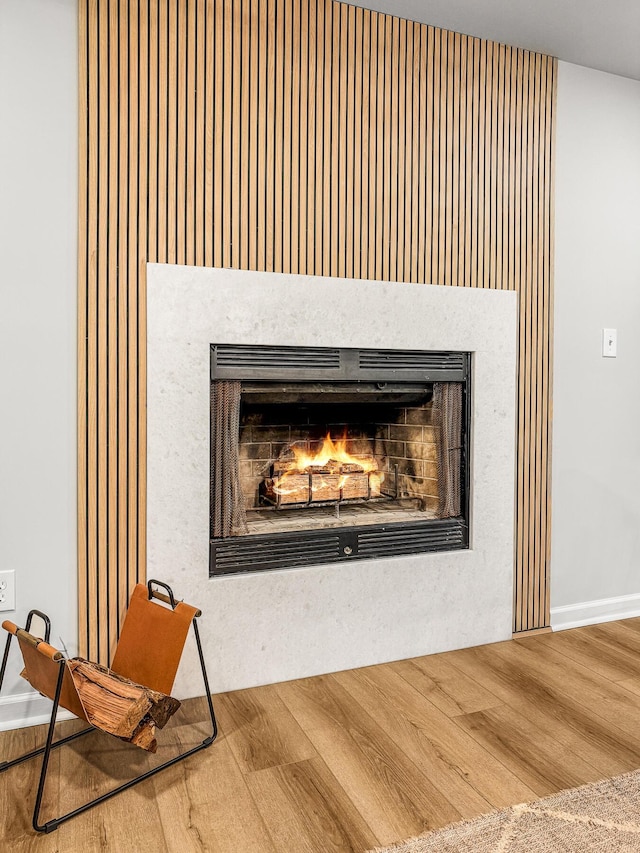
{"x": 279, "y": 625}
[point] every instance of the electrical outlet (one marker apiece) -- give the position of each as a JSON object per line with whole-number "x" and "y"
{"x": 8, "y": 590}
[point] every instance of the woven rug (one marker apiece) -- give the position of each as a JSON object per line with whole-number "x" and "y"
{"x": 603, "y": 817}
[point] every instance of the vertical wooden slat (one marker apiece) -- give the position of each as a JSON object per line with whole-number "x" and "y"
{"x": 97, "y": 232}
{"x": 254, "y": 141}
{"x": 519, "y": 611}
{"x": 321, "y": 149}
{"x": 500, "y": 165}
{"x": 536, "y": 379}
{"x": 461, "y": 224}
{"x": 331, "y": 126}
{"x": 311, "y": 168}
{"x": 173, "y": 133}
{"x": 218, "y": 128}
{"x": 86, "y": 251}
{"x": 162, "y": 93}
{"x": 393, "y": 52}
{"x": 446, "y": 154}
{"x": 486, "y": 100}
{"x": 150, "y": 74}
{"x": 308, "y": 167}
{"x": 126, "y": 265}
{"x": 109, "y": 575}
{"x": 443, "y": 160}
{"x": 299, "y": 35}
{"x": 209, "y": 132}
{"x": 468, "y": 160}
{"x": 137, "y": 289}
{"x": 433, "y": 198}
{"x": 270, "y": 131}
{"x": 402, "y": 185}
{"x": 235, "y": 15}
{"x": 371, "y": 213}
{"x": 181, "y": 144}
{"x": 98, "y": 589}
{"x": 278, "y": 134}
{"x": 364, "y": 148}
{"x": 306, "y": 135}
{"x": 288, "y": 167}
{"x": 227, "y": 130}
{"x": 380, "y": 150}
{"x": 347, "y": 72}
{"x": 425, "y": 169}
{"x": 453, "y": 224}
{"x": 189, "y": 61}
{"x": 200, "y": 112}
{"x": 408, "y": 148}
{"x": 385, "y": 71}
{"x": 356, "y": 29}
{"x": 493, "y": 169}
{"x": 512, "y": 210}
{"x": 340, "y": 74}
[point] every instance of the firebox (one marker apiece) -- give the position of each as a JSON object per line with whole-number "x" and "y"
{"x": 322, "y": 455}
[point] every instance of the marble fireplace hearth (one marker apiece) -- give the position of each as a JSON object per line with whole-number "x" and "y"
{"x": 259, "y": 628}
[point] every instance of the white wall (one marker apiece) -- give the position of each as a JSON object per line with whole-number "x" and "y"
{"x": 38, "y": 189}
{"x": 596, "y": 430}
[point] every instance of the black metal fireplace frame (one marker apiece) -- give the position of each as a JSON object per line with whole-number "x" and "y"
{"x": 262, "y": 552}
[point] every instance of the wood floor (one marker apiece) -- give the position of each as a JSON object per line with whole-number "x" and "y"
{"x": 349, "y": 761}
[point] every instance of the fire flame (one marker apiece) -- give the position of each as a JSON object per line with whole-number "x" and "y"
{"x": 332, "y": 455}
{"x": 331, "y": 451}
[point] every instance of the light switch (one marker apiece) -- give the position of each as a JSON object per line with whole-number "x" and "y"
{"x": 609, "y": 343}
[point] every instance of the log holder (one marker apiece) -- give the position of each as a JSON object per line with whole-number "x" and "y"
{"x": 59, "y": 660}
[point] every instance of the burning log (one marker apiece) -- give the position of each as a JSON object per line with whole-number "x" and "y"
{"x": 355, "y": 486}
{"x": 325, "y": 487}
{"x": 329, "y": 475}
{"x": 294, "y": 490}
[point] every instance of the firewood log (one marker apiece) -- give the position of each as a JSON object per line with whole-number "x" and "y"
{"x": 121, "y": 707}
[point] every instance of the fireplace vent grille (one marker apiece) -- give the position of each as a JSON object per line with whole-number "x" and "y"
{"x": 411, "y": 360}
{"x": 289, "y": 550}
{"x": 307, "y": 364}
{"x": 282, "y": 358}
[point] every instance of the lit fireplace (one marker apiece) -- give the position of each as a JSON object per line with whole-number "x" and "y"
{"x": 319, "y": 455}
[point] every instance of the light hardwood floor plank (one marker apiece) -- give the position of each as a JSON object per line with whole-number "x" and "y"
{"x": 443, "y": 749}
{"x": 445, "y": 686}
{"x": 306, "y": 809}
{"x": 260, "y": 730}
{"x": 385, "y": 785}
{"x": 530, "y": 752}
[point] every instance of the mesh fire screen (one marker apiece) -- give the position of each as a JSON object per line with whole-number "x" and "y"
{"x": 228, "y": 515}
{"x": 447, "y": 409}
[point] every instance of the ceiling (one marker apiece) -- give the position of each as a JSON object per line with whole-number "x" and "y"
{"x": 601, "y": 34}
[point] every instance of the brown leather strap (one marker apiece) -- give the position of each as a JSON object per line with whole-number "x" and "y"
{"x": 151, "y": 641}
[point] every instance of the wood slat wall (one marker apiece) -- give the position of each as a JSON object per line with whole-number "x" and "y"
{"x": 303, "y": 136}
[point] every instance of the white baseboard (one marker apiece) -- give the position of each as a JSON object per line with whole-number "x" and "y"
{"x": 27, "y": 709}
{"x": 592, "y": 612}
